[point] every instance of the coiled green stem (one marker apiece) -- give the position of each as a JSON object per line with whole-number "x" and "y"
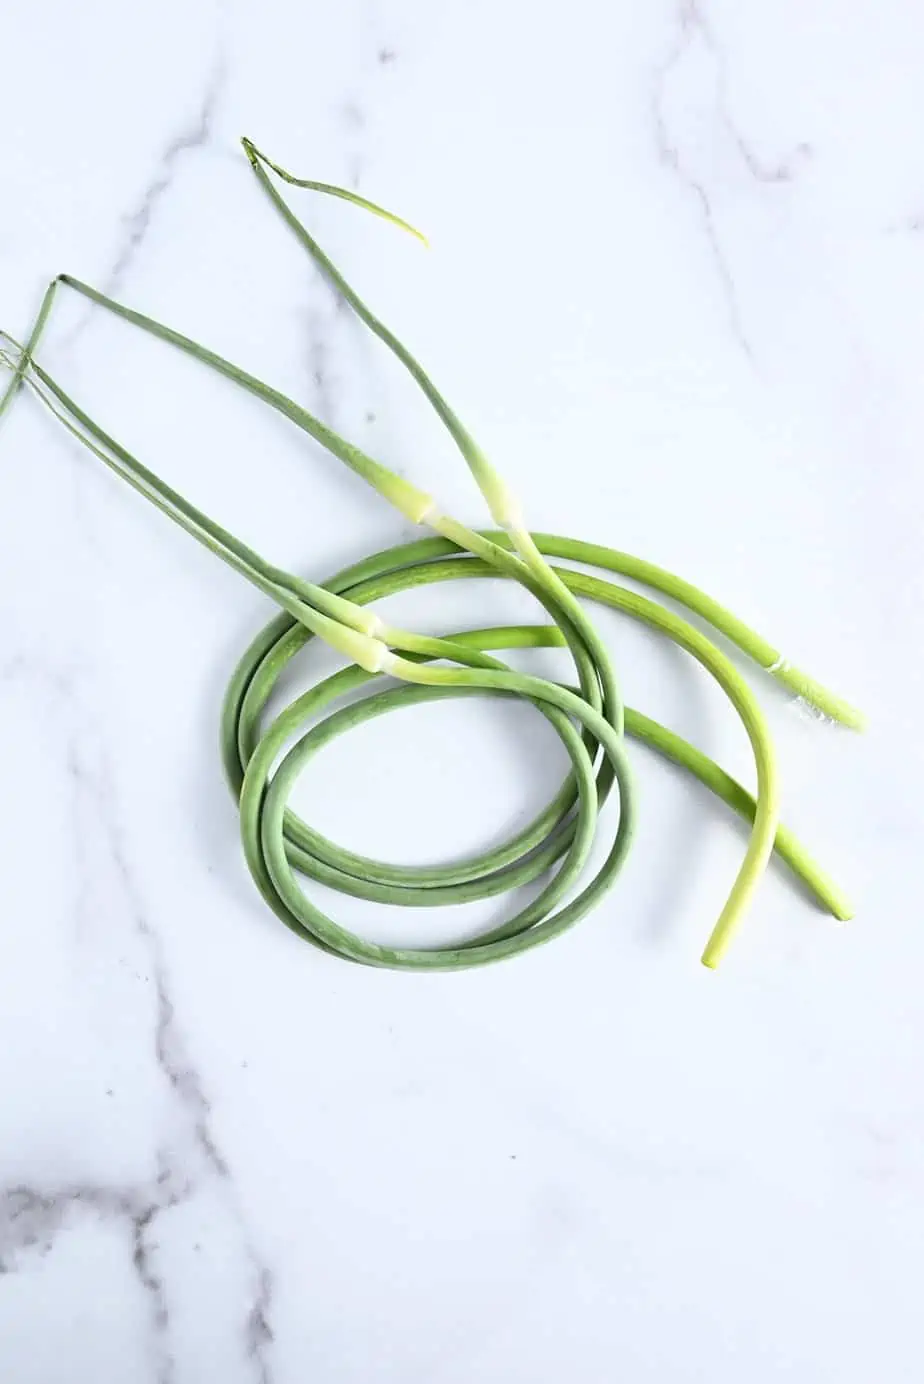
{"x": 275, "y": 840}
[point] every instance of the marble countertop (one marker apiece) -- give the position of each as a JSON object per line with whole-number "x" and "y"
{"x": 677, "y": 265}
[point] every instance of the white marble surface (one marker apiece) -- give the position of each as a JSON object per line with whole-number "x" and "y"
{"x": 678, "y": 251}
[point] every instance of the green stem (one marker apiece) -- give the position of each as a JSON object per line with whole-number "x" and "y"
{"x": 26, "y": 351}
{"x": 478, "y": 464}
{"x": 254, "y": 154}
{"x": 399, "y": 492}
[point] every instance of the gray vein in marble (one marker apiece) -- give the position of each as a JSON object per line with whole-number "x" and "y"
{"x": 691, "y": 24}
{"x": 783, "y": 170}
{"x": 143, "y": 1255}
{"x": 354, "y": 120}
{"x": 356, "y": 167}
{"x": 33, "y": 1216}
{"x": 259, "y": 1333}
{"x": 319, "y": 364}
{"x": 169, "y": 1048}
{"x": 196, "y": 135}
